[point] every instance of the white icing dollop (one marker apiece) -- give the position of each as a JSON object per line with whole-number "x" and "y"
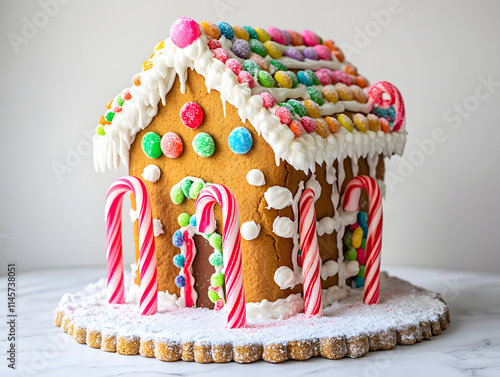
{"x": 151, "y": 173}
{"x": 278, "y": 197}
{"x": 285, "y": 277}
{"x": 351, "y": 268}
{"x": 325, "y": 225}
{"x": 283, "y": 227}
{"x": 133, "y": 215}
{"x": 282, "y": 308}
{"x": 328, "y": 269}
{"x": 255, "y": 177}
{"x": 157, "y": 227}
{"x": 313, "y": 184}
{"x": 250, "y": 230}
{"x": 332, "y": 294}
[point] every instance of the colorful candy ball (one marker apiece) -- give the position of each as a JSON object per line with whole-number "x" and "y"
{"x": 183, "y": 219}
{"x": 251, "y": 32}
{"x": 245, "y": 77}
{"x": 323, "y": 52}
{"x": 226, "y": 30}
{"x": 217, "y": 279}
{"x": 310, "y": 53}
{"x": 278, "y": 65}
{"x": 213, "y": 44}
{"x": 357, "y": 237}
{"x": 179, "y": 260}
{"x": 361, "y": 256}
{"x": 351, "y": 254}
{"x": 221, "y": 54}
{"x": 211, "y": 29}
{"x": 277, "y": 35}
{"x": 192, "y": 221}
{"x": 195, "y": 190}
{"x": 203, "y": 144}
{"x": 251, "y": 67}
{"x": 359, "y": 282}
{"x": 241, "y": 48}
{"x": 240, "y": 140}
{"x": 215, "y": 240}
{"x": 308, "y": 124}
{"x": 265, "y": 79}
{"x": 180, "y": 281}
{"x": 347, "y": 239}
{"x": 295, "y": 127}
{"x": 299, "y": 108}
{"x": 215, "y": 259}
{"x": 268, "y": 100}
{"x": 151, "y": 145}
{"x": 234, "y": 65}
{"x": 186, "y": 186}
{"x": 310, "y": 38}
{"x": 241, "y": 33}
{"x": 171, "y": 145}
{"x": 176, "y": 195}
{"x": 305, "y": 78}
{"x": 283, "y": 79}
{"x": 184, "y": 31}
{"x": 191, "y": 115}
{"x": 283, "y": 114}
{"x": 177, "y": 239}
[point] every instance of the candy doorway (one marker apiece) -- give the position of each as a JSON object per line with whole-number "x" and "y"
{"x": 202, "y": 270}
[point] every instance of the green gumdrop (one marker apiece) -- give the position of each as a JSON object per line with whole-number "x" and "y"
{"x": 258, "y": 47}
{"x": 183, "y": 219}
{"x": 347, "y": 239}
{"x": 265, "y": 79}
{"x": 176, "y": 195}
{"x": 100, "y": 131}
{"x": 213, "y": 296}
{"x": 215, "y": 241}
{"x": 109, "y": 116}
{"x": 195, "y": 189}
{"x": 251, "y": 67}
{"x": 351, "y": 254}
{"x": 362, "y": 270}
{"x": 251, "y": 32}
{"x": 215, "y": 259}
{"x": 151, "y": 145}
{"x": 203, "y": 144}
{"x": 119, "y": 101}
{"x": 363, "y": 244}
{"x": 289, "y": 107}
{"x": 315, "y": 95}
{"x": 217, "y": 279}
{"x": 299, "y": 108}
{"x": 295, "y": 80}
{"x": 278, "y": 65}
{"x": 186, "y": 186}
{"x": 314, "y": 77}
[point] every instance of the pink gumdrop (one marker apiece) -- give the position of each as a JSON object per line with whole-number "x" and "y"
{"x": 218, "y": 305}
{"x": 213, "y": 44}
{"x": 267, "y": 99}
{"x": 324, "y": 77}
{"x": 343, "y": 77}
{"x": 354, "y": 226}
{"x": 116, "y": 109}
{"x": 184, "y": 31}
{"x": 277, "y": 35}
{"x": 361, "y": 256}
{"x": 284, "y": 114}
{"x": 234, "y": 65}
{"x": 323, "y": 52}
{"x": 221, "y": 54}
{"x": 191, "y": 115}
{"x": 308, "y": 124}
{"x": 171, "y": 145}
{"x": 310, "y": 38}
{"x": 246, "y": 77}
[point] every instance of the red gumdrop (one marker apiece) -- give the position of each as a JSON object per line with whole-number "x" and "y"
{"x": 126, "y": 94}
{"x": 213, "y": 44}
{"x": 323, "y": 52}
{"x": 171, "y": 145}
{"x": 277, "y": 35}
{"x": 308, "y": 124}
{"x": 221, "y": 54}
{"x": 246, "y": 77}
{"x": 284, "y": 114}
{"x": 323, "y": 77}
{"x": 267, "y": 99}
{"x": 310, "y": 38}
{"x": 191, "y": 115}
{"x": 184, "y": 31}
{"x": 297, "y": 39}
{"x": 361, "y": 256}
{"x": 234, "y": 65}
{"x": 384, "y": 125}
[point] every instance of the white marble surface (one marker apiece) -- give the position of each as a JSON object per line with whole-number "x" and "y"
{"x": 469, "y": 347}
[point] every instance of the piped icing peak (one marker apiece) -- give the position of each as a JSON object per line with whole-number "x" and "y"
{"x": 296, "y": 90}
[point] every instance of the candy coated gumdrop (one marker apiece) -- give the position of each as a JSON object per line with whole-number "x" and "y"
{"x": 216, "y": 259}
{"x": 240, "y": 140}
{"x": 192, "y": 220}
{"x": 217, "y": 279}
{"x": 186, "y": 186}
{"x": 262, "y": 35}
{"x": 345, "y": 122}
{"x": 176, "y": 195}
{"x": 241, "y": 48}
{"x": 177, "y": 239}
{"x": 333, "y": 124}
{"x": 179, "y": 260}
{"x": 213, "y": 296}
{"x": 289, "y": 107}
{"x": 295, "y": 127}
{"x": 315, "y": 95}
{"x": 151, "y": 145}
{"x": 184, "y": 31}
{"x": 357, "y": 237}
{"x": 203, "y": 144}
{"x": 268, "y": 100}
{"x": 312, "y": 108}
{"x": 195, "y": 190}
{"x": 361, "y": 122}
{"x": 245, "y": 77}
{"x": 226, "y": 30}
{"x": 180, "y": 281}
{"x": 278, "y": 65}
{"x": 322, "y": 128}
{"x": 347, "y": 239}
{"x": 351, "y": 254}
{"x": 361, "y": 256}
{"x": 283, "y": 114}
{"x": 251, "y": 32}
{"x": 299, "y": 108}
{"x": 241, "y": 33}
{"x": 308, "y": 124}
{"x": 191, "y": 115}
{"x": 265, "y": 79}
{"x": 183, "y": 219}
{"x": 215, "y": 241}
{"x": 211, "y": 29}
{"x": 283, "y": 79}
{"x": 171, "y": 145}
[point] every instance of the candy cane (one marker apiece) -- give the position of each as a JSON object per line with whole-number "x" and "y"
{"x": 231, "y": 246}
{"x": 147, "y": 255}
{"x": 311, "y": 261}
{"x": 375, "y": 95}
{"x": 374, "y": 241}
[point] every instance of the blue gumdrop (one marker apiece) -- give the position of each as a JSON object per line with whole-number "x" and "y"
{"x": 226, "y": 30}
{"x": 240, "y": 140}
{"x": 180, "y": 281}
{"x": 304, "y": 78}
{"x": 192, "y": 221}
{"x": 177, "y": 239}
{"x": 179, "y": 260}
{"x": 359, "y": 282}
{"x": 362, "y": 217}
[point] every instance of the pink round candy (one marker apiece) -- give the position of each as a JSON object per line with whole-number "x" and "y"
{"x": 323, "y": 77}
{"x": 343, "y": 77}
{"x": 171, "y": 145}
{"x": 267, "y": 99}
{"x": 308, "y": 124}
{"x": 184, "y": 31}
{"x": 221, "y": 54}
{"x": 234, "y": 65}
{"x": 213, "y": 44}
{"x": 191, "y": 115}
{"x": 310, "y": 38}
{"x": 246, "y": 77}
{"x": 218, "y": 305}
{"x": 361, "y": 256}
{"x": 277, "y": 35}
{"x": 116, "y": 109}
{"x": 323, "y": 52}
{"x": 284, "y": 114}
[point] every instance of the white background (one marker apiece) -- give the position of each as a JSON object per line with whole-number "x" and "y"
{"x": 443, "y": 210}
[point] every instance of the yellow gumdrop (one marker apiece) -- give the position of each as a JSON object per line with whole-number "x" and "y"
{"x": 357, "y": 237}
{"x": 148, "y": 64}
{"x": 273, "y": 49}
{"x": 345, "y": 122}
{"x": 345, "y": 93}
{"x": 322, "y": 128}
{"x": 283, "y": 79}
{"x": 374, "y": 122}
{"x": 159, "y": 46}
{"x": 361, "y": 122}
{"x": 241, "y": 33}
{"x": 262, "y": 35}
{"x": 330, "y": 93}
{"x": 312, "y": 109}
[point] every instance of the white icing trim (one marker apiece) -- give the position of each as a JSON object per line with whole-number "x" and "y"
{"x": 157, "y": 227}
{"x": 282, "y": 308}
{"x": 295, "y": 238}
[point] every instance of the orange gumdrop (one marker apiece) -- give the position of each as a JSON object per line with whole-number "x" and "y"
{"x": 338, "y": 54}
{"x": 350, "y": 69}
{"x": 296, "y": 127}
{"x": 137, "y": 80}
{"x": 333, "y": 124}
{"x": 330, "y": 45}
{"x": 361, "y": 82}
{"x": 108, "y": 106}
{"x": 296, "y": 38}
{"x": 384, "y": 125}
{"x": 103, "y": 121}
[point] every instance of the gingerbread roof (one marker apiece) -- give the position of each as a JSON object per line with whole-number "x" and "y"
{"x": 296, "y": 90}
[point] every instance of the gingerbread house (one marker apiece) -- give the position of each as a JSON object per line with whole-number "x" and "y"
{"x": 268, "y": 114}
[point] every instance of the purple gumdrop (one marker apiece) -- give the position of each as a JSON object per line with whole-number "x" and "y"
{"x": 241, "y": 48}
{"x": 287, "y": 37}
{"x": 310, "y": 53}
{"x": 294, "y": 54}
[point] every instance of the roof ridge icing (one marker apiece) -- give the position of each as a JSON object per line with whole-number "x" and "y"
{"x": 302, "y": 145}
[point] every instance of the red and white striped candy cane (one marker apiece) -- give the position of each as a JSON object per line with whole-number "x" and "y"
{"x": 374, "y": 240}
{"x": 147, "y": 255}
{"x": 311, "y": 261}
{"x": 375, "y": 97}
{"x": 231, "y": 246}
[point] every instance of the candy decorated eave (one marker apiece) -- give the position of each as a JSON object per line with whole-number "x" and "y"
{"x": 406, "y": 314}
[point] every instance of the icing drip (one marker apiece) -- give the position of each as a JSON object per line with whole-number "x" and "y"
{"x": 354, "y": 166}
{"x": 157, "y": 227}
{"x": 295, "y": 209}
{"x": 372, "y": 161}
